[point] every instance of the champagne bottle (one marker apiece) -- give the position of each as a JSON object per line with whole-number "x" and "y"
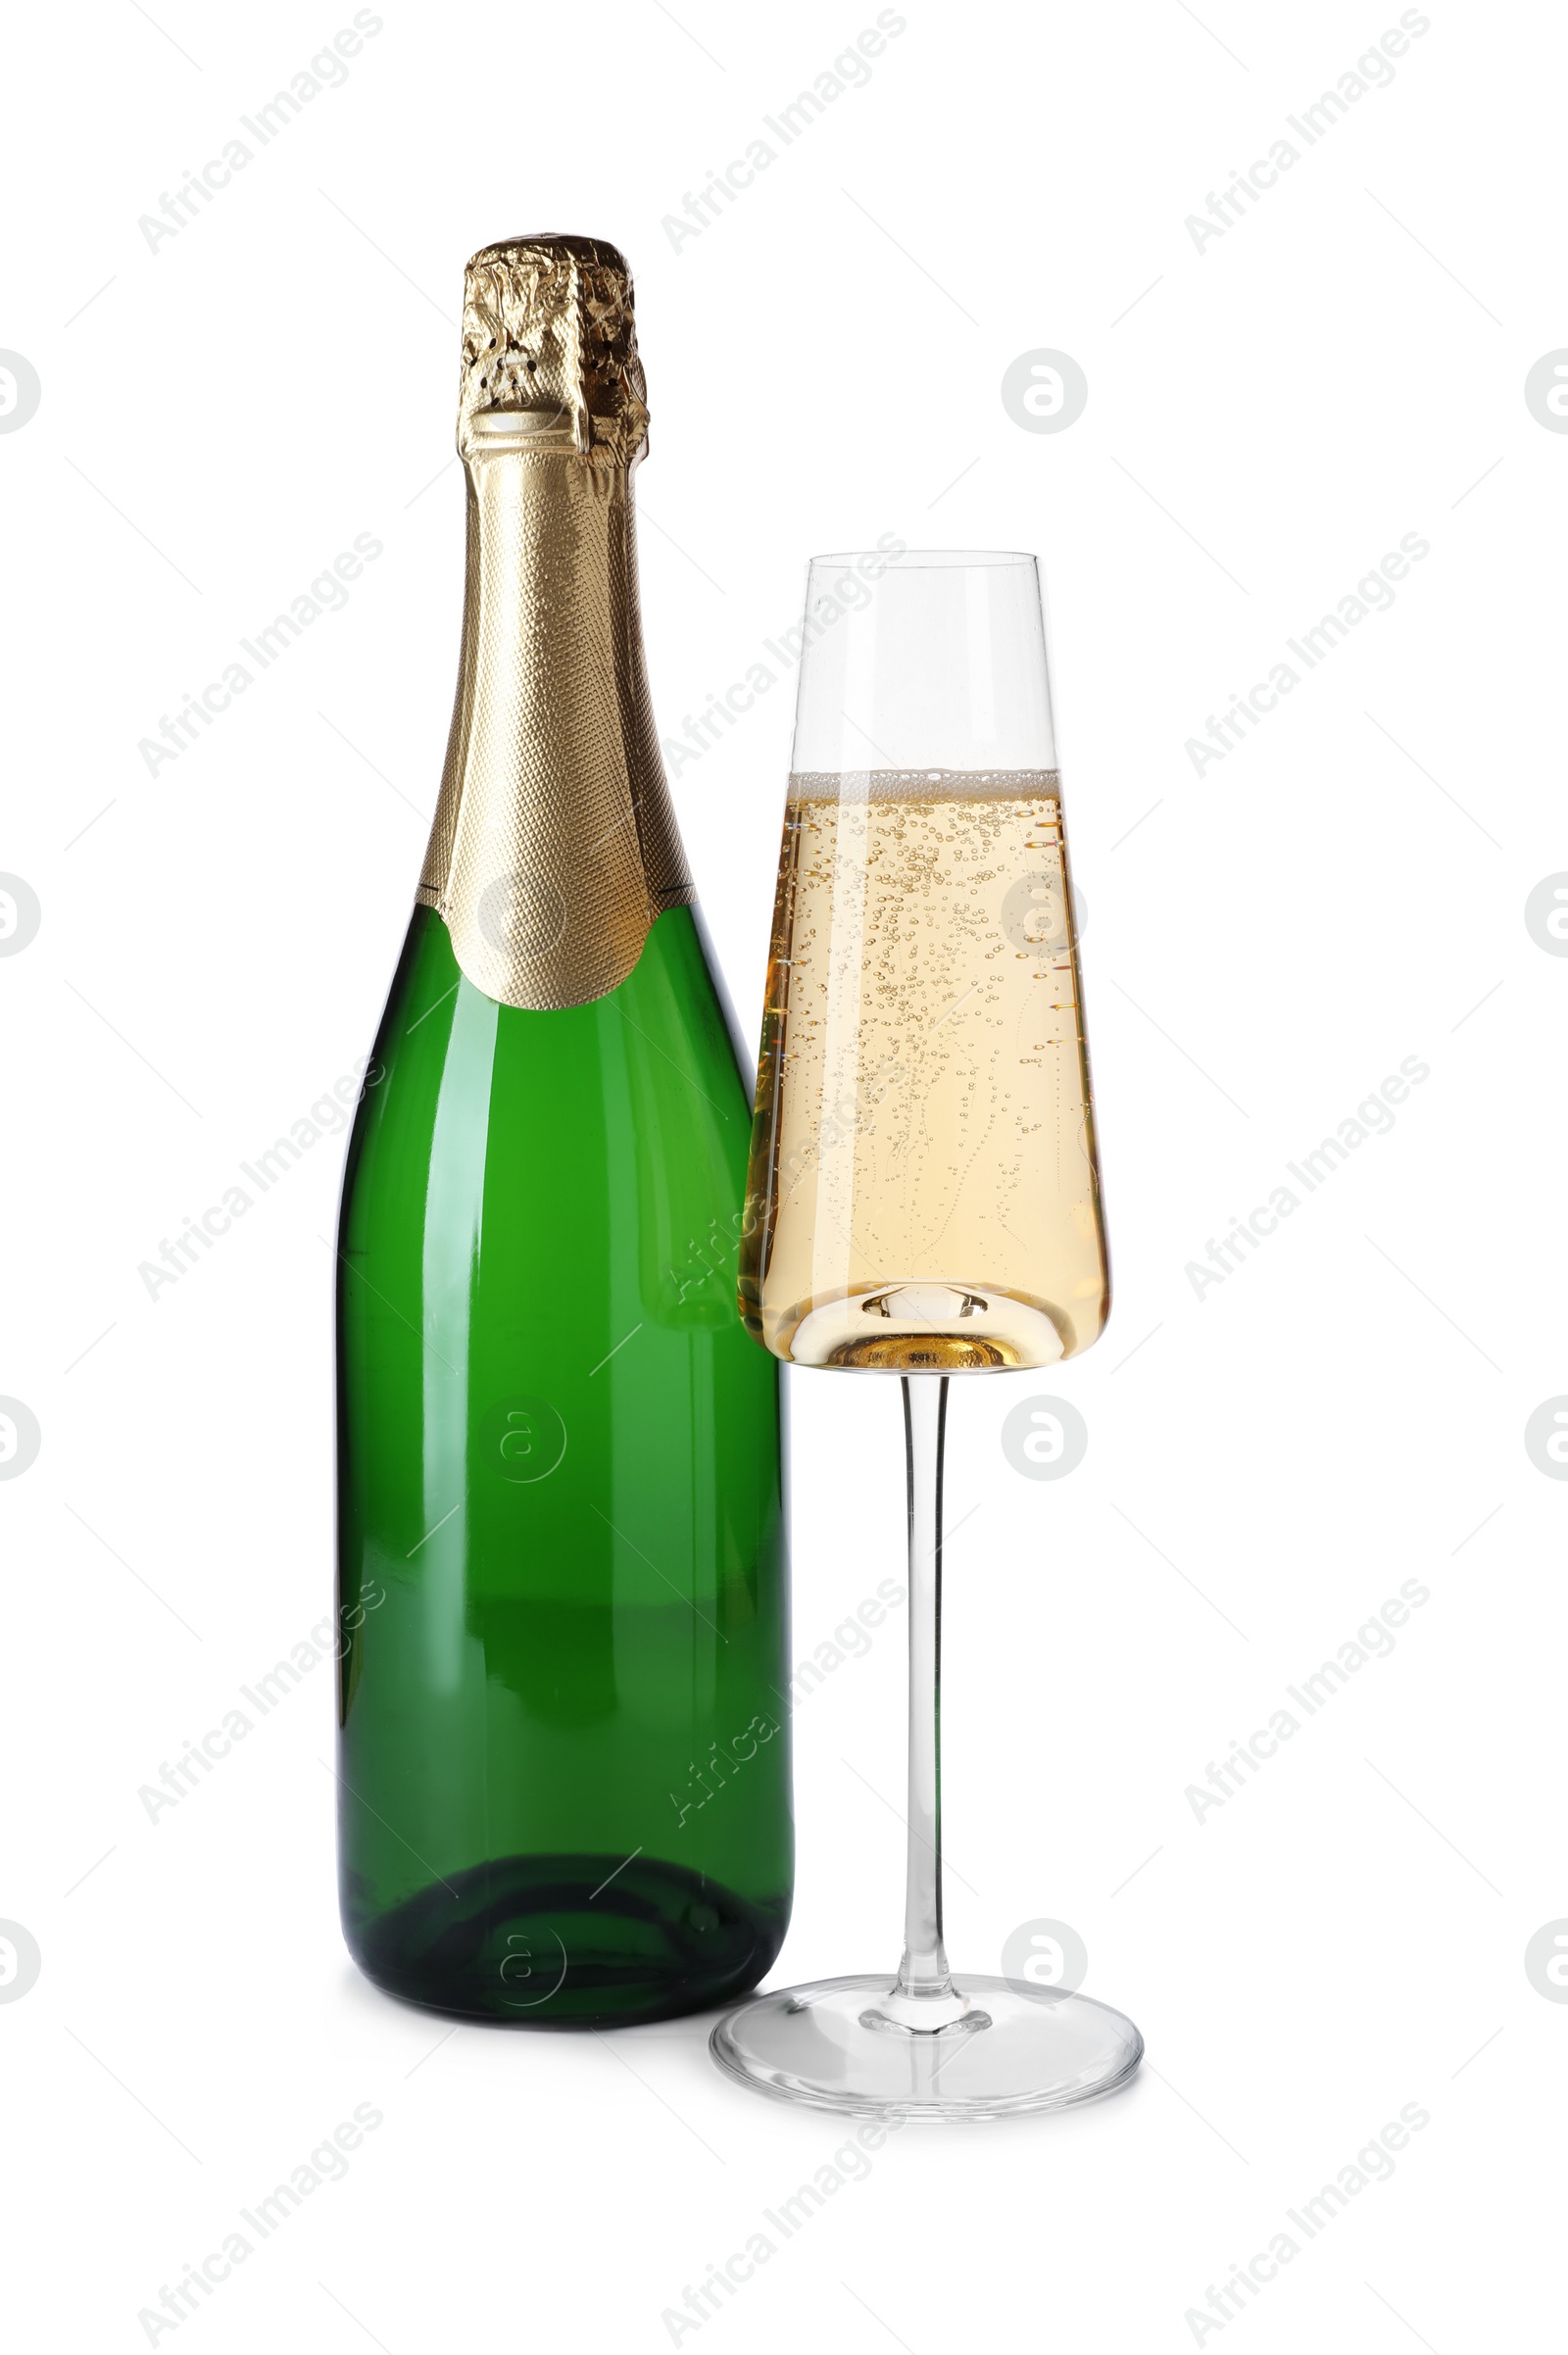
{"x": 564, "y": 1785}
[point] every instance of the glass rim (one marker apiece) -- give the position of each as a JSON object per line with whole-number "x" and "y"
{"x": 932, "y": 559}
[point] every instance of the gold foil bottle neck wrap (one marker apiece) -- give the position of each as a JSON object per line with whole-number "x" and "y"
{"x": 554, "y": 845}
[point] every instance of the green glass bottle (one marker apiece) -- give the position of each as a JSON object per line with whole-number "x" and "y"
{"x": 564, "y": 1781}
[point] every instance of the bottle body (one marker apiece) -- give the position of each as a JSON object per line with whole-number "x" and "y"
{"x": 563, "y": 1783}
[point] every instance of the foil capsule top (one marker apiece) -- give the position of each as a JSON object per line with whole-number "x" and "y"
{"x": 550, "y": 338}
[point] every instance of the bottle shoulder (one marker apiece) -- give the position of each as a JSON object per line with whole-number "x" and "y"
{"x": 583, "y": 1136}
{"x": 666, "y": 1027}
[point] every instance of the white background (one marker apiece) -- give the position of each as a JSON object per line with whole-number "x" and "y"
{"x": 1266, "y": 417}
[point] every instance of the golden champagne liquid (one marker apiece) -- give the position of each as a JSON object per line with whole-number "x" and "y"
{"x": 923, "y": 1191}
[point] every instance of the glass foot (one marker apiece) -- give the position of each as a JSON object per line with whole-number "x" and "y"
{"x": 840, "y": 2045}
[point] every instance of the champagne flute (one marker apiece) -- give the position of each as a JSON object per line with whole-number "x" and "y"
{"x": 923, "y": 1200}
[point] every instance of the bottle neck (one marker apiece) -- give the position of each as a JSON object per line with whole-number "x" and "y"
{"x": 554, "y": 845}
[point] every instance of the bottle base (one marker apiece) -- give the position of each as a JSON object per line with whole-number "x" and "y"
{"x": 567, "y": 1942}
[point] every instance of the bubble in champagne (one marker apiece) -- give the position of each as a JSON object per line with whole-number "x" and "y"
{"x": 1045, "y": 1958}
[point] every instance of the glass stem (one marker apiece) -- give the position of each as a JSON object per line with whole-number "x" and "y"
{"x": 923, "y": 1972}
